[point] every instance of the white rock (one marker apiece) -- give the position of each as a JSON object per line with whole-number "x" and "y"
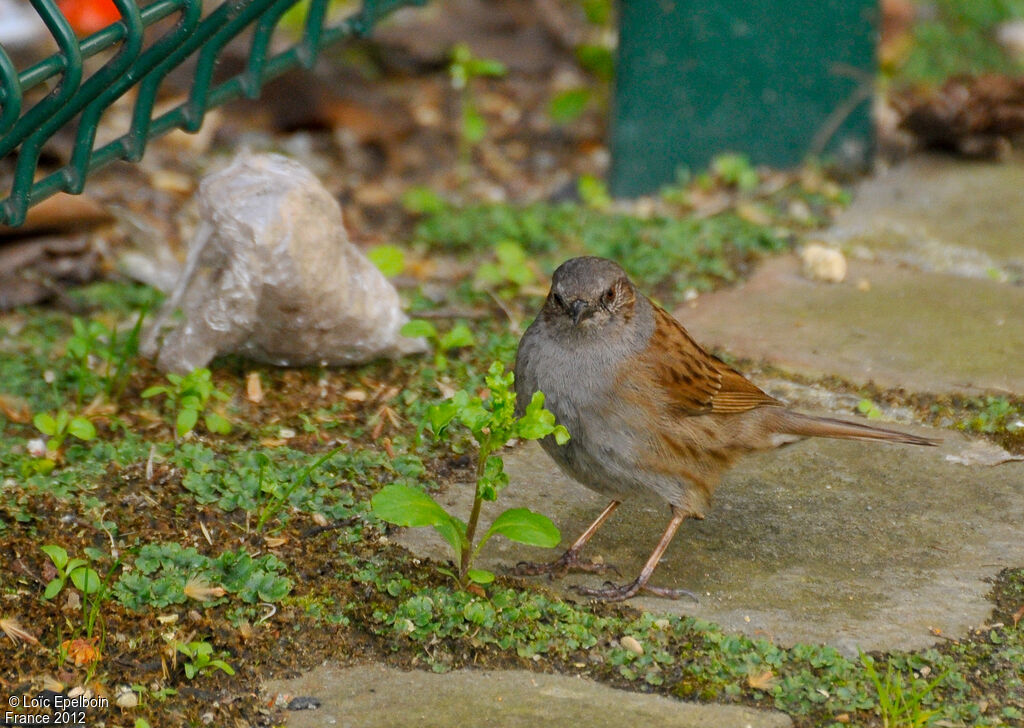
{"x": 1010, "y": 35}
{"x": 271, "y": 275}
{"x": 821, "y": 263}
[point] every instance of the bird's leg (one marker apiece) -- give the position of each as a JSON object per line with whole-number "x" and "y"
{"x": 570, "y": 560}
{"x": 618, "y": 592}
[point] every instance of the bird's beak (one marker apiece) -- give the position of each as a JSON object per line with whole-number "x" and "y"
{"x": 576, "y": 308}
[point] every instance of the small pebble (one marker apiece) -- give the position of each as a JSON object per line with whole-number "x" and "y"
{"x": 126, "y": 698}
{"x": 1010, "y": 35}
{"x": 821, "y": 263}
{"x": 304, "y": 702}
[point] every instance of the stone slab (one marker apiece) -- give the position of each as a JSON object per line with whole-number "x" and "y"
{"x": 937, "y": 213}
{"x": 374, "y": 696}
{"x": 858, "y": 545}
{"x": 925, "y": 332}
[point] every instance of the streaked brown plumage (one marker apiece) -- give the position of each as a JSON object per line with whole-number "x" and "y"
{"x": 646, "y": 407}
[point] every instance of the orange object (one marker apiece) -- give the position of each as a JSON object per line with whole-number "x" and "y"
{"x": 88, "y": 16}
{"x": 81, "y": 651}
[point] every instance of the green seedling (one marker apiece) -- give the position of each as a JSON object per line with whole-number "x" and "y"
{"x": 278, "y": 496}
{"x": 508, "y": 274}
{"x": 567, "y": 106}
{"x": 464, "y": 69}
{"x": 994, "y": 414}
{"x": 736, "y": 171}
{"x": 899, "y": 704}
{"x": 85, "y": 578}
{"x": 421, "y": 200}
{"x": 457, "y": 337}
{"x": 869, "y": 409}
{"x": 165, "y": 574}
{"x": 188, "y": 397}
{"x": 594, "y": 192}
{"x": 492, "y": 423}
{"x": 57, "y": 427}
{"x": 200, "y": 659}
{"x": 389, "y": 259}
{"x": 99, "y": 358}
{"x": 157, "y": 694}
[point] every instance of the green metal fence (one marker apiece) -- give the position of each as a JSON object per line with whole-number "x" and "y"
{"x": 74, "y": 93}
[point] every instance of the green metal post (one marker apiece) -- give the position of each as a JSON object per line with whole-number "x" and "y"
{"x": 778, "y": 80}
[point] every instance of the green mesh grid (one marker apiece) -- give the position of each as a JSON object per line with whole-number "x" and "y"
{"x": 144, "y": 64}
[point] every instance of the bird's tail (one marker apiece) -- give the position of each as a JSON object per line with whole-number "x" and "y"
{"x": 794, "y": 423}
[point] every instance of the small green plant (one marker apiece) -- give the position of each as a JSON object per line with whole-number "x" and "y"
{"x": 869, "y": 409}
{"x": 567, "y": 106}
{"x": 508, "y": 274}
{"x": 58, "y": 426}
{"x": 101, "y": 359}
{"x": 278, "y": 496}
{"x": 464, "y": 69}
{"x": 995, "y": 414}
{"x": 200, "y": 659}
{"x": 94, "y": 590}
{"x": 456, "y": 337}
{"x": 157, "y": 694}
{"x": 85, "y": 578}
{"x": 899, "y": 704}
{"x": 492, "y": 423}
{"x": 188, "y": 397}
{"x": 421, "y": 200}
{"x": 166, "y": 574}
{"x": 594, "y": 192}
{"x": 389, "y": 259}
{"x": 736, "y": 171}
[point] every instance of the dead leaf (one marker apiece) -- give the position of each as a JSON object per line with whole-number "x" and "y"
{"x": 355, "y": 395}
{"x": 1018, "y": 615}
{"x": 15, "y": 408}
{"x": 253, "y": 387}
{"x": 60, "y": 212}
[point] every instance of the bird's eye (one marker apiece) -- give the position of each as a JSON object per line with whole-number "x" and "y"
{"x": 608, "y": 296}
{"x": 558, "y": 300}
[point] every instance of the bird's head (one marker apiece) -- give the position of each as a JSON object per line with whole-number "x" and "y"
{"x": 589, "y": 294}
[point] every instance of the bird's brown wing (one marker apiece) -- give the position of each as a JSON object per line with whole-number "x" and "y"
{"x": 692, "y": 381}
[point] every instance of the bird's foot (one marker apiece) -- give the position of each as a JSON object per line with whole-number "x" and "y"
{"x": 620, "y": 592}
{"x": 569, "y": 561}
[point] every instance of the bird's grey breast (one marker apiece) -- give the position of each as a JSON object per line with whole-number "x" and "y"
{"x": 577, "y": 374}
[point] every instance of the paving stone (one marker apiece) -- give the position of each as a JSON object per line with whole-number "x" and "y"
{"x": 374, "y": 696}
{"x": 858, "y": 545}
{"x": 925, "y": 332}
{"x": 939, "y": 214}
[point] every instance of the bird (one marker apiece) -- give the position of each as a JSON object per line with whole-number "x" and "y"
{"x": 646, "y": 408}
